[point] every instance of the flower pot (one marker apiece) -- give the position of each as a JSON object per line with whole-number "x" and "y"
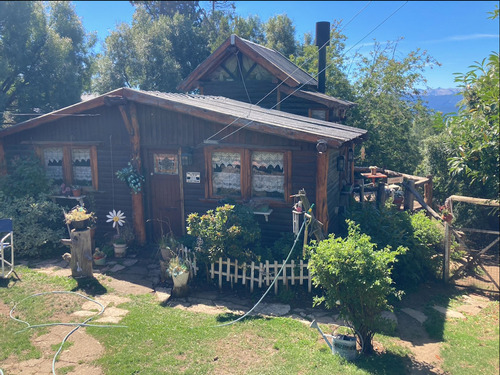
{"x": 100, "y": 261}
{"x": 120, "y": 249}
{"x": 80, "y": 224}
{"x": 180, "y": 288}
{"x": 77, "y": 192}
{"x": 447, "y": 217}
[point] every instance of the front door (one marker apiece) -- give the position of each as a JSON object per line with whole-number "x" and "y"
{"x": 165, "y": 203}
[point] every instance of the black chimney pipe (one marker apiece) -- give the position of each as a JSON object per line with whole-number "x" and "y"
{"x": 322, "y": 40}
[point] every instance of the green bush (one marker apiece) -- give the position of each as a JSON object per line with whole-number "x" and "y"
{"x": 38, "y": 224}
{"x": 356, "y": 278}
{"x": 26, "y": 177}
{"x": 387, "y": 226}
{"x": 230, "y": 231}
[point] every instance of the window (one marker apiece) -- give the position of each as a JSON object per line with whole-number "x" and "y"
{"x": 268, "y": 176}
{"x": 70, "y": 164}
{"x": 248, "y": 174}
{"x": 226, "y": 174}
{"x": 320, "y": 114}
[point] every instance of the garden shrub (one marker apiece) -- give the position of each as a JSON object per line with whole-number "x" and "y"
{"x": 228, "y": 231}
{"x": 38, "y": 224}
{"x": 26, "y": 177}
{"x": 387, "y": 226}
{"x": 355, "y": 277}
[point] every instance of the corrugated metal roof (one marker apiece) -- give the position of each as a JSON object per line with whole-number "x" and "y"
{"x": 228, "y": 111}
{"x": 282, "y": 63}
{"x": 249, "y": 113}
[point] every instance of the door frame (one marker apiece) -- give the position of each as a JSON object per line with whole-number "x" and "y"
{"x": 150, "y": 172}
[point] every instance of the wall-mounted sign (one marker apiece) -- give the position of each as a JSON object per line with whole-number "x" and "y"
{"x": 193, "y": 177}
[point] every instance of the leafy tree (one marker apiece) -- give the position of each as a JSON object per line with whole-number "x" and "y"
{"x": 280, "y": 35}
{"x": 356, "y": 278}
{"x": 45, "y": 57}
{"x": 389, "y": 103}
{"x": 465, "y": 154}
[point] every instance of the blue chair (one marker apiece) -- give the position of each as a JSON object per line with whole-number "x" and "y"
{"x": 6, "y": 244}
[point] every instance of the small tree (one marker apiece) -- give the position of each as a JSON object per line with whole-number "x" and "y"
{"x": 356, "y": 278}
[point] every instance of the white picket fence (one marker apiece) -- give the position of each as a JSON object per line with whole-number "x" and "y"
{"x": 261, "y": 274}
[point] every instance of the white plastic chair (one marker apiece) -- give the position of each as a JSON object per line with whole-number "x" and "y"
{"x": 6, "y": 244}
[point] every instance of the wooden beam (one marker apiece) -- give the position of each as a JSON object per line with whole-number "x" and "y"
{"x": 480, "y": 201}
{"x": 137, "y": 199}
{"x": 322, "y": 189}
{"x": 126, "y": 120}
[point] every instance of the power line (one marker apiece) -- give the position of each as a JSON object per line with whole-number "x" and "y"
{"x": 281, "y": 83}
{"x": 380, "y": 24}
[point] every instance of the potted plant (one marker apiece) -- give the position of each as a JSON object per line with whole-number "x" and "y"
{"x": 178, "y": 269}
{"x": 99, "y": 257}
{"x": 76, "y": 190}
{"x": 121, "y": 238}
{"x": 398, "y": 197}
{"x": 79, "y": 218}
{"x": 131, "y": 177}
{"x": 446, "y": 215}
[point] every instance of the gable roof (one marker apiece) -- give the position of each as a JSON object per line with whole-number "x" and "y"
{"x": 277, "y": 64}
{"x": 217, "y": 109}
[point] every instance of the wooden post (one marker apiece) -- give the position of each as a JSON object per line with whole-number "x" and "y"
{"x": 322, "y": 190}
{"x": 381, "y": 194}
{"x": 81, "y": 253}
{"x": 409, "y": 198}
{"x": 447, "y": 247}
{"x": 428, "y": 191}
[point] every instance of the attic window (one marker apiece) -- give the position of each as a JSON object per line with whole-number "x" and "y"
{"x": 319, "y": 113}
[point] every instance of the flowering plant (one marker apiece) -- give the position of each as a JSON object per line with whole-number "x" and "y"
{"x": 98, "y": 254}
{"x": 118, "y": 220}
{"x": 131, "y": 177}
{"x": 78, "y": 213}
{"x": 177, "y": 266}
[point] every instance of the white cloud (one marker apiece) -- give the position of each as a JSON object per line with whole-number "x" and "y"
{"x": 461, "y": 38}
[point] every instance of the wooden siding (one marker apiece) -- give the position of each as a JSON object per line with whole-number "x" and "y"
{"x": 333, "y": 190}
{"x": 167, "y": 129}
{"x": 105, "y": 129}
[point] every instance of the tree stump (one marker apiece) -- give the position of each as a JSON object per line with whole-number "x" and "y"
{"x": 81, "y": 253}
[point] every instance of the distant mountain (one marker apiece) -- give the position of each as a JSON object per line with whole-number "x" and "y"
{"x": 442, "y": 100}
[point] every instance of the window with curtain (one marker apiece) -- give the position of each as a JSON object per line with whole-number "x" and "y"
{"x": 226, "y": 174}
{"x": 268, "y": 177}
{"x": 82, "y": 171}
{"x": 53, "y": 161}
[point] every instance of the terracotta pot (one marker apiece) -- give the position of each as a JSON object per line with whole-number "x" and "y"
{"x": 77, "y": 192}
{"x": 447, "y": 217}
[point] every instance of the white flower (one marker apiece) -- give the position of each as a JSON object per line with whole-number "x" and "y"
{"x": 116, "y": 218}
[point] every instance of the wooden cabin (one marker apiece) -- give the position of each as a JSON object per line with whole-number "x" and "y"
{"x": 242, "y": 70}
{"x": 194, "y": 151}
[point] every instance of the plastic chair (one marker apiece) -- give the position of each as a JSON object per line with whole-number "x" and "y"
{"x": 6, "y": 243}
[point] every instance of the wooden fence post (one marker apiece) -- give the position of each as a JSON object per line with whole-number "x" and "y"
{"x": 447, "y": 247}
{"x": 428, "y": 191}
{"x": 409, "y": 198}
{"x": 381, "y": 194}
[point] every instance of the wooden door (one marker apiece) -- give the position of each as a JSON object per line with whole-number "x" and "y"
{"x": 165, "y": 191}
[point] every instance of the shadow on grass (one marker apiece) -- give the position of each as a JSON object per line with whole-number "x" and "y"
{"x": 90, "y": 286}
{"x": 228, "y": 317}
{"x": 392, "y": 363}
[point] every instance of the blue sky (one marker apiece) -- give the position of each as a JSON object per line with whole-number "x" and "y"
{"x": 455, "y": 33}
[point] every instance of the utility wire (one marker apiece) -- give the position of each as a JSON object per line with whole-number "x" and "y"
{"x": 281, "y": 83}
{"x": 300, "y": 87}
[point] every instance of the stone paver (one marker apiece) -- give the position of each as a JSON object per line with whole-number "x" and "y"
{"x": 415, "y": 314}
{"x": 449, "y": 313}
{"x": 117, "y": 267}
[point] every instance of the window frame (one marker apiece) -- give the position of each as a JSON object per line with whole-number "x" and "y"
{"x": 246, "y": 173}
{"x": 67, "y": 166}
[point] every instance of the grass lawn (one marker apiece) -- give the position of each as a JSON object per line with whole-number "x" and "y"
{"x": 165, "y": 340}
